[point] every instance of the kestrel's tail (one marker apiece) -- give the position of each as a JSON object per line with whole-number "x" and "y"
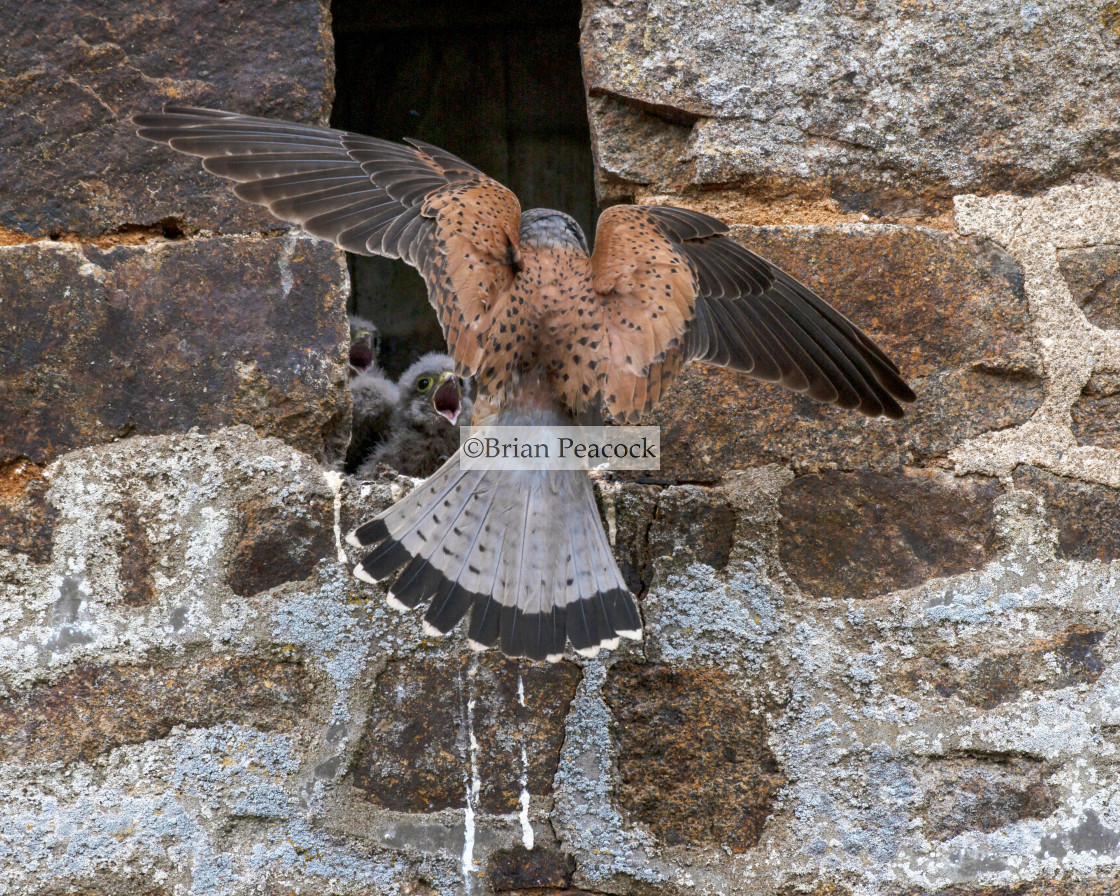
{"x": 524, "y": 551}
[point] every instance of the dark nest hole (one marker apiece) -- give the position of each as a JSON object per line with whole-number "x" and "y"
{"x": 498, "y": 84}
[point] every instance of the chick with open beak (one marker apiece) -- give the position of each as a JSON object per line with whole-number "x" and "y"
{"x": 447, "y": 400}
{"x": 424, "y": 428}
{"x": 363, "y": 345}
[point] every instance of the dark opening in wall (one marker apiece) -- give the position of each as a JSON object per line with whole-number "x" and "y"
{"x": 498, "y": 83}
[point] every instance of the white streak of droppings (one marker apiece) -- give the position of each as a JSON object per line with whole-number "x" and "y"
{"x": 473, "y": 783}
{"x": 334, "y": 480}
{"x": 468, "y": 842}
{"x": 526, "y": 825}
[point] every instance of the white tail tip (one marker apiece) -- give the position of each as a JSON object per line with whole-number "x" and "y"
{"x": 396, "y": 604}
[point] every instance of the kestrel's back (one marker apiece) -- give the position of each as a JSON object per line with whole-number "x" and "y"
{"x": 550, "y": 332}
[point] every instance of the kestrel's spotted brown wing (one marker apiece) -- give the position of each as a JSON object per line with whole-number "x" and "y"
{"x": 443, "y": 216}
{"x": 524, "y": 552}
{"x": 675, "y": 288}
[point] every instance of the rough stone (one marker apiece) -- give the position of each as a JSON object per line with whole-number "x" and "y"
{"x": 415, "y": 753}
{"x": 824, "y": 889}
{"x": 864, "y": 533}
{"x": 1093, "y": 278}
{"x": 279, "y": 543}
{"x": 97, "y": 708}
{"x": 135, "y": 573}
{"x": 100, "y": 344}
{"x": 982, "y": 677}
{"x": 26, "y": 517}
{"x": 553, "y": 891}
{"x": 970, "y": 795}
{"x": 634, "y": 146}
{"x": 123, "y": 887}
{"x": 950, "y": 312}
{"x": 530, "y": 869}
{"x": 693, "y": 758}
{"x": 886, "y": 108}
{"x": 1085, "y": 515}
{"x": 72, "y": 74}
{"x": 1042, "y": 887}
{"x": 1096, "y": 413}
{"x": 634, "y": 508}
{"x": 1090, "y": 835}
{"x": 691, "y": 525}
{"x": 660, "y": 531}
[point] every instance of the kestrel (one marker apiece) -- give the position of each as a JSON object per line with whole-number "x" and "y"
{"x": 551, "y": 332}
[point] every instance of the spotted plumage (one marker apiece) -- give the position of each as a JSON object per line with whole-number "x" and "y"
{"x": 551, "y": 333}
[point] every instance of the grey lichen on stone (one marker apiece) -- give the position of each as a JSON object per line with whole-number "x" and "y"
{"x": 585, "y": 814}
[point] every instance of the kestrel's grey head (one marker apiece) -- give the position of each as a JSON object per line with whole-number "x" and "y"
{"x": 548, "y": 228}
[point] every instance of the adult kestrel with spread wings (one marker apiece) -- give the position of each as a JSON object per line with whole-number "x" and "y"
{"x": 550, "y": 331}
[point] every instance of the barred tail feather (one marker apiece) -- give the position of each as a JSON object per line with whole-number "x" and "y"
{"x": 524, "y": 552}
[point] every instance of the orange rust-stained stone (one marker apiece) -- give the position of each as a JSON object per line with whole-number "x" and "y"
{"x": 865, "y": 533}
{"x": 950, "y": 312}
{"x": 1085, "y": 515}
{"x": 97, "y": 708}
{"x": 140, "y": 340}
{"x": 414, "y": 755}
{"x": 26, "y": 517}
{"x": 694, "y": 762}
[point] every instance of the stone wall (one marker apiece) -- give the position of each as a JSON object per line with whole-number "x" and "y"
{"x": 881, "y": 658}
